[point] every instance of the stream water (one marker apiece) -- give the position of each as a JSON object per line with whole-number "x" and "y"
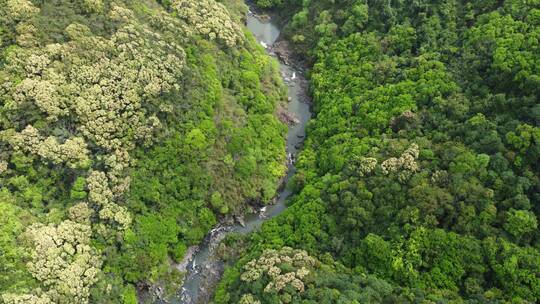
{"x": 203, "y": 269}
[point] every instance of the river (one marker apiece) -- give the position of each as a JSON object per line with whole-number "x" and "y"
{"x": 203, "y": 269}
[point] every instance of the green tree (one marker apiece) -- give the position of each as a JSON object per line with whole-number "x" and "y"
{"x": 519, "y": 223}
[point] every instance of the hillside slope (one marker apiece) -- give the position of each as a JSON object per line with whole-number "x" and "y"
{"x": 128, "y": 129}
{"x": 419, "y": 181}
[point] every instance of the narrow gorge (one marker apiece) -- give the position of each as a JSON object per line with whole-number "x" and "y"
{"x": 203, "y": 268}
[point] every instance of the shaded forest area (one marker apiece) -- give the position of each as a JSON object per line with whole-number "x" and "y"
{"x": 419, "y": 181}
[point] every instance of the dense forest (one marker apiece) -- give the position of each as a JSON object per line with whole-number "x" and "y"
{"x": 128, "y": 129}
{"x": 419, "y": 180}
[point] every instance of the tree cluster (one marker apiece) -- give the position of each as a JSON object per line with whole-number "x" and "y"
{"x": 420, "y": 167}
{"x": 210, "y": 19}
{"x": 126, "y": 131}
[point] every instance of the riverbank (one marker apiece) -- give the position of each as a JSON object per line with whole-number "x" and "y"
{"x": 202, "y": 265}
{"x": 281, "y": 48}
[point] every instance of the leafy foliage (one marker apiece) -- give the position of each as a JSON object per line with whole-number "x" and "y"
{"x": 127, "y": 130}
{"x": 420, "y": 168}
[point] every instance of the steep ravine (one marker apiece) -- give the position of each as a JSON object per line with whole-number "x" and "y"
{"x": 203, "y": 269}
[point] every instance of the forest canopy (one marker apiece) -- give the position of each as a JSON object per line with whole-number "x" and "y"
{"x": 127, "y": 131}
{"x": 130, "y": 129}
{"x": 419, "y": 180}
